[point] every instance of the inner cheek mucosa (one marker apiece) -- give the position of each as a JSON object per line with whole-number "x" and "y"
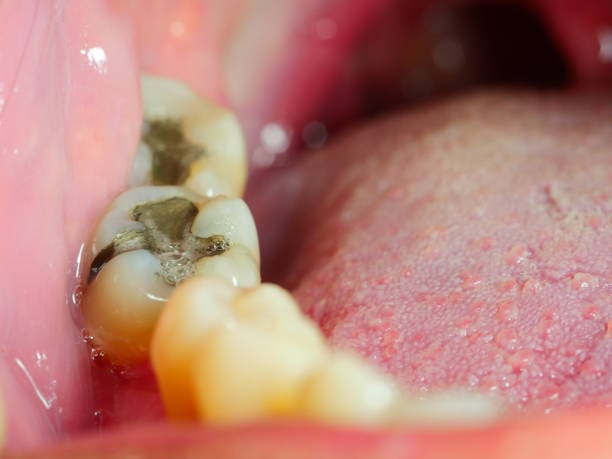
{"x": 461, "y": 246}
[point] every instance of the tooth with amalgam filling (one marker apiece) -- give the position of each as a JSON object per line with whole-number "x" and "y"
{"x": 152, "y": 239}
{"x": 346, "y": 391}
{"x": 245, "y": 363}
{"x": 187, "y": 140}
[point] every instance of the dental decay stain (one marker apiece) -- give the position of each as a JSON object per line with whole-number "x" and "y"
{"x": 172, "y": 153}
{"x": 166, "y": 234}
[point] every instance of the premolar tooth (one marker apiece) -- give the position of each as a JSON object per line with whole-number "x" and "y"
{"x": 122, "y": 305}
{"x": 193, "y": 141}
{"x": 345, "y": 390}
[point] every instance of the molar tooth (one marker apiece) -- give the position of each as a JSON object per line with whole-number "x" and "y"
{"x": 178, "y": 232}
{"x": 122, "y": 305}
{"x": 345, "y": 390}
{"x": 213, "y": 160}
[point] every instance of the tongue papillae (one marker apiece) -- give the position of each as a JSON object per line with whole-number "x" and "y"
{"x": 464, "y": 244}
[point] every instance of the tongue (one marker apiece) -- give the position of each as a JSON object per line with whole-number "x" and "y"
{"x": 460, "y": 245}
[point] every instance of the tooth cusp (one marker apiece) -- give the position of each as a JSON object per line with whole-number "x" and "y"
{"x": 345, "y": 390}
{"x": 189, "y": 141}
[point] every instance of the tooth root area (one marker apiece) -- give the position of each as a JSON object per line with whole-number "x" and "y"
{"x": 122, "y": 304}
{"x": 345, "y": 390}
{"x": 193, "y": 141}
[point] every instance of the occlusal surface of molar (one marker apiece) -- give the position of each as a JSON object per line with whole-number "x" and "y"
{"x": 188, "y": 140}
{"x": 150, "y": 240}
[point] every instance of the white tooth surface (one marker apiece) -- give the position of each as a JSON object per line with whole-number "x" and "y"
{"x": 243, "y": 374}
{"x": 142, "y": 167}
{"x": 119, "y": 216}
{"x": 345, "y": 390}
{"x": 236, "y": 265}
{"x": 195, "y": 306}
{"x": 123, "y": 303}
{"x": 206, "y": 124}
{"x": 230, "y": 217}
{"x": 450, "y": 408}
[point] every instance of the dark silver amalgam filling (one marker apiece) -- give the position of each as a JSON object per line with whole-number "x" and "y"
{"x": 167, "y": 235}
{"x": 172, "y": 153}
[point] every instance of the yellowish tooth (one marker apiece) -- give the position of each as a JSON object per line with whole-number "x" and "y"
{"x": 273, "y": 310}
{"x": 346, "y": 391}
{"x": 122, "y": 305}
{"x": 232, "y": 218}
{"x": 243, "y": 373}
{"x": 236, "y": 266}
{"x": 197, "y": 305}
{"x": 142, "y": 167}
{"x": 451, "y": 408}
{"x": 234, "y": 354}
{"x": 222, "y": 168}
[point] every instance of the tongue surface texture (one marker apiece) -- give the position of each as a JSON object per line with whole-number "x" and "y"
{"x": 466, "y": 244}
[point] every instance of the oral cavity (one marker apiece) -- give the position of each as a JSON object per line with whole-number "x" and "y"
{"x": 175, "y": 276}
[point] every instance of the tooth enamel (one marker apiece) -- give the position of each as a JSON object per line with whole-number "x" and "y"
{"x": 222, "y": 167}
{"x": 196, "y": 306}
{"x": 122, "y": 305}
{"x": 259, "y": 337}
{"x": 235, "y": 265}
{"x": 345, "y": 390}
{"x": 451, "y": 408}
{"x": 244, "y": 373}
{"x": 142, "y": 167}
{"x": 232, "y": 218}
{"x": 180, "y": 240}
